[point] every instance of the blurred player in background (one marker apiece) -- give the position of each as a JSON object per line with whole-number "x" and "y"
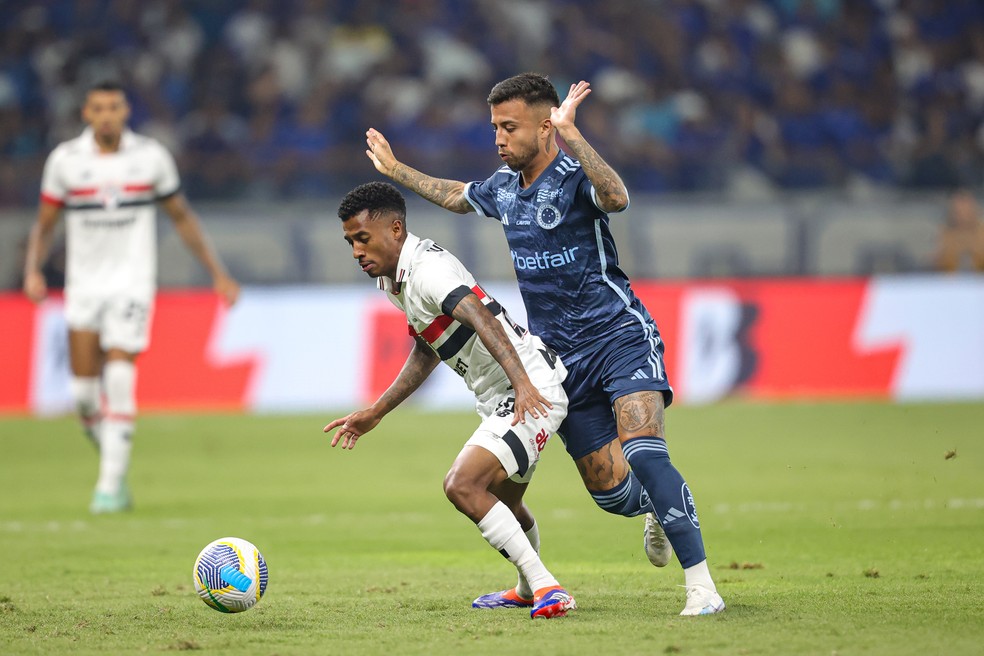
{"x": 510, "y": 371}
{"x": 961, "y": 242}
{"x": 554, "y": 211}
{"x": 107, "y": 181}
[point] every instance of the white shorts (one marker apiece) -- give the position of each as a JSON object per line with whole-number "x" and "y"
{"x": 518, "y": 447}
{"x": 122, "y": 322}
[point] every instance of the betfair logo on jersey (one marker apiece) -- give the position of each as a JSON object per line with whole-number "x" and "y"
{"x": 544, "y": 259}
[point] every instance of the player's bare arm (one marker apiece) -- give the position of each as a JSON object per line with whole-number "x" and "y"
{"x": 38, "y": 244}
{"x": 640, "y": 414}
{"x": 449, "y": 194}
{"x": 189, "y": 228}
{"x": 419, "y": 365}
{"x": 611, "y": 191}
{"x": 471, "y": 312}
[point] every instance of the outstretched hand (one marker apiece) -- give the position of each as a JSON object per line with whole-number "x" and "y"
{"x": 380, "y": 152}
{"x": 226, "y": 287}
{"x": 35, "y": 288}
{"x": 563, "y": 116}
{"x": 351, "y": 428}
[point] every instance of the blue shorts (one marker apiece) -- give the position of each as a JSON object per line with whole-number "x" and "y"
{"x": 630, "y": 361}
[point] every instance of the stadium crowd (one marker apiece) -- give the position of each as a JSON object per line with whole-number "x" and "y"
{"x": 270, "y": 99}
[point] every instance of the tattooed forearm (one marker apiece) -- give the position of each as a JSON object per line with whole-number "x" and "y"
{"x": 418, "y": 367}
{"x": 472, "y": 313}
{"x": 449, "y": 194}
{"x": 640, "y": 413}
{"x": 612, "y": 195}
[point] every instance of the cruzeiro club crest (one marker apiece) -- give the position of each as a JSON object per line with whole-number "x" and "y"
{"x": 688, "y": 504}
{"x": 547, "y": 216}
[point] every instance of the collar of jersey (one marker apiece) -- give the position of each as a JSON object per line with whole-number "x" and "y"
{"x": 543, "y": 174}
{"x": 392, "y": 285}
{"x": 89, "y": 137}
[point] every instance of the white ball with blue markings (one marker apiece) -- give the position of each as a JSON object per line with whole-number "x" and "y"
{"x": 230, "y": 575}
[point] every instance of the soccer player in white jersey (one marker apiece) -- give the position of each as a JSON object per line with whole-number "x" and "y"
{"x": 511, "y": 372}
{"x": 107, "y": 182}
{"x": 554, "y": 210}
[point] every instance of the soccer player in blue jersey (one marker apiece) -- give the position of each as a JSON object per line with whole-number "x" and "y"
{"x": 554, "y": 210}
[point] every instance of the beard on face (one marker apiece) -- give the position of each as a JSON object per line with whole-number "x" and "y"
{"x": 522, "y": 158}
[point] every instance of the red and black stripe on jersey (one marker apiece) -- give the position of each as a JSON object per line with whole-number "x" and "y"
{"x": 133, "y": 195}
{"x": 436, "y": 334}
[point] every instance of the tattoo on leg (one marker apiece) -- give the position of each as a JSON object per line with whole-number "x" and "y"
{"x": 604, "y": 468}
{"x": 640, "y": 413}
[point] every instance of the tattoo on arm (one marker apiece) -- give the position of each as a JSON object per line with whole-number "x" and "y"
{"x": 449, "y": 194}
{"x": 612, "y": 194}
{"x": 419, "y": 365}
{"x": 472, "y": 313}
{"x": 640, "y": 414}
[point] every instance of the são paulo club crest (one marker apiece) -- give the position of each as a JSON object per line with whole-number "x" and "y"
{"x": 547, "y": 216}
{"x": 110, "y": 194}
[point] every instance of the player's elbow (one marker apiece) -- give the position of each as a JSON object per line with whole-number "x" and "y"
{"x": 615, "y": 202}
{"x": 460, "y": 204}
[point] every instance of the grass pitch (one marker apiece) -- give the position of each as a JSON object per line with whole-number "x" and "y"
{"x": 831, "y": 529}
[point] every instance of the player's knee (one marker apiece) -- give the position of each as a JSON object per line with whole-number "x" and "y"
{"x": 455, "y": 488}
{"x": 461, "y": 490}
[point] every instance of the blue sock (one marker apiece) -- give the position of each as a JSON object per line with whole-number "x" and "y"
{"x": 628, "y": 498}
{"x": 670, "y": 496}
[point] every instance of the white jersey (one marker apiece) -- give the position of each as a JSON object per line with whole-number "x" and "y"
{"x": 430, "y": 282}
{"x": 110, "y": 215}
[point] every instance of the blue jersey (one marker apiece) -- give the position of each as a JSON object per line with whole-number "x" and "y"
{"x": 564, "y": 256}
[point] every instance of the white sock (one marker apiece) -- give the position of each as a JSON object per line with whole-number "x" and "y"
{"x": 699, "y": 575}
{"x": 114, "y": 455}
{"x": 117, "y": 426}
{"x": 86, "y": 394}
{"x": 523, "y": 588}
{"x": 501, "y": 529}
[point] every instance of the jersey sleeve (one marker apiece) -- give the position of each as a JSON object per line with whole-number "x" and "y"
{"x": 441, "y": 286}
{"x": 481, "y": 196}
{"x": 167, "y": 181}
{"x": 53, "y": 188}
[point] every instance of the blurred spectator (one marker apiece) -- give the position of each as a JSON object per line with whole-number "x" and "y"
{"x": 961, "y": 246}
{"x": 271, "y": 98}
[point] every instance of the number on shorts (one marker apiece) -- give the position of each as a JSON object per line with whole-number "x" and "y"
{"x": 505, "y": 407}
{"x": 549, "y": 356}
{"x": 137, "y": 313}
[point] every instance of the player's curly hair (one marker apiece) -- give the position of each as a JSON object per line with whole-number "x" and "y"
{"x": 377, "y": 197}
{"x": 531, "y": 88}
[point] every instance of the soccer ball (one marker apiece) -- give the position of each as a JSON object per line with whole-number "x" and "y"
{"x": 230, "y": 575}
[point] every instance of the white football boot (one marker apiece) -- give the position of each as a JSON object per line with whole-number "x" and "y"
{"x": 658, "y": 548}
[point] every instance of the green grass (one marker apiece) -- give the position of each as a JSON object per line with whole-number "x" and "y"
{"x": 831, "y": 528}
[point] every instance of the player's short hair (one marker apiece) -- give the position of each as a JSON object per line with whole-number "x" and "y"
{"x": 106, "y": 85}
{"x": 377, "y": 197}
{"x": 531, "y": 88}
